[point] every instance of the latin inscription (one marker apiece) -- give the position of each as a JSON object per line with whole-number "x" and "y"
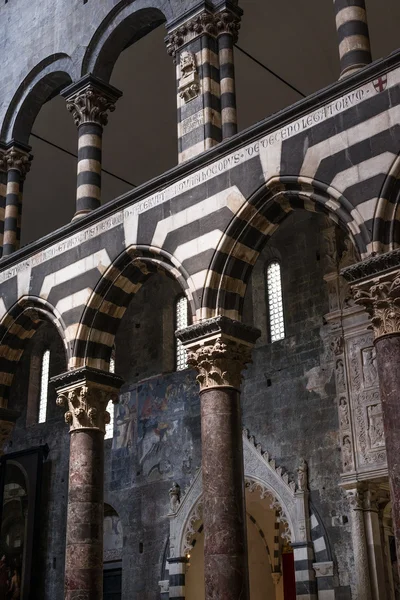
{"x": 188, "y": 183}
{"x": 191, "y": 123}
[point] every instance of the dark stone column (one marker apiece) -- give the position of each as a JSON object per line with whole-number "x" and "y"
{"x": 89, "y": 100}
{"x": 219, "y": 349}
{"x": 85, "y": 392}
{"x": 18, "y": 161}
{"x": 353, "y": 35}
{"x": 379, "y": 292}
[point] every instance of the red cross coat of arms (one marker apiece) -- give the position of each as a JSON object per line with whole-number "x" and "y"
{"x": 380, "y": 83}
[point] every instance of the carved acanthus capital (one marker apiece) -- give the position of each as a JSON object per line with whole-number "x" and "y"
{"x": 228, "y": 22}
{"x": 18, "y": 159}
{"x": 381, "y": 299}
{"x": 219, "y": 349}
{"x": 90, "y": 100}
{"x": 85, "y": 393}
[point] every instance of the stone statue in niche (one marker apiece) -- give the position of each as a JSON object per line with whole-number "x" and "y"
{"x": 175, "y": 496}
{"x": 370, "y": 371}
{"x": 340, "y": 375}
{"x": 349, "y": 256}
{"x": 189, "y": 83}
{"x": 347, "y": 453}
{"x": 302, "y": 476}
{"x": 344, "y": 412}
{"x": 375, "y": 426}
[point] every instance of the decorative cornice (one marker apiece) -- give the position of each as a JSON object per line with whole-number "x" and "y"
{"x": 89, "y": 100}
{"x": 85, "y": 393}
{"x": 381, "y": 299}
{"x": 373, "y": 266}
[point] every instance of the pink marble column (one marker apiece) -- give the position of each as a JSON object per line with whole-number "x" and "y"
{"x": 85, "y": 393}
{"x": 219, "y": 349}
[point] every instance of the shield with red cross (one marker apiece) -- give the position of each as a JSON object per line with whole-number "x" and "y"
{"x": 380, "y": 83}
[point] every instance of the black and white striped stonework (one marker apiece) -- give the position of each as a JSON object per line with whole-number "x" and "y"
{"x": 228, "y": 24}
{"x": 89, "y": 100}
{"x": 88, "y": 193}
{"x": 18, "y": 162}
{"x": 3, "y": 193}
{"x": 353, "y": 35}
{"x": 306, "y": 585}
{"x": 199, "y": 119}
{"x": 177, "y": 570}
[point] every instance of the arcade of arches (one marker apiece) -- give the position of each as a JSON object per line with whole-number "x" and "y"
{"x": 199, "y": 323}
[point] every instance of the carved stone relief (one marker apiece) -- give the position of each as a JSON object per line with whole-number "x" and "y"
{"x": 366, "y": 411}
{"x": 189, "y": 83}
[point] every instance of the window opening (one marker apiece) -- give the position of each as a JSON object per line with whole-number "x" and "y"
{"x": 110, "y": 406}
{"x": 275, "y": 302}
{"x": 181, "y": 318}
{"x": 44, "y": 386}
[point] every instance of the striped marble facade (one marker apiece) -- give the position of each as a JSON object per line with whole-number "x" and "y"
{"x": 228, "y": 24}
{"x": 353, "y": 35}
{"x": 336, "y": 153}
{"x": 17, "y": 160}
{"x": 177, "y": 570}
{"x": 306, "y": 585}
{"x": 88, "y": 189}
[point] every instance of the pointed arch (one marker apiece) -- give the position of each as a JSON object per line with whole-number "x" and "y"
{"x": 258, "y": 219}
{"x": 112, "y": 295}
{"x": 17, "y": 327}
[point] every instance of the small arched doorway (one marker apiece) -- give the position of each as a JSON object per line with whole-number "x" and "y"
{"x": 112, "y": 554}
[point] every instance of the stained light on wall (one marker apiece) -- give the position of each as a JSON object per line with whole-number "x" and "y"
{"x": 181, "y": 318}
{"x": 275, "y": 302}
{"x": 44, "y": 386}
{"x": 110, "y": 406}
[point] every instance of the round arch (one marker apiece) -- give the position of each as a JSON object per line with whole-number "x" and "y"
{"x": 17, "y": 327}
{"x": 123, "y": 26}
{"x": 258, "y": 219}
{"x": 111, "y": 297}
{"x": 386, "y": 224}
{"x": 44, "y": 82}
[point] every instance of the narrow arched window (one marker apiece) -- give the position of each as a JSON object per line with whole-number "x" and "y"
{"x": 110, "y": 406}
{"x": 44, "y": 386}
{"x": 275, "y": 302}
{"x": 181, "y": 321}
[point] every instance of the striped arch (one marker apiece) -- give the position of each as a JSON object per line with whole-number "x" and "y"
{"x": 386, "y": 223}
{"x": 256, "y": 222}
{"x": 17, "y": 327}
{"x": 111, "y": 297}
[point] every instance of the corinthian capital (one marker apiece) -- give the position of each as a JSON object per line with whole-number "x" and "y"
{"x": 228, "y": 22}
{"x": 219, "y": 350}
{"x": 90, "y": 100}
{"x": 85, "y": 394}
{"x": 18, "y": 157}
{"x": 381, "y": 299}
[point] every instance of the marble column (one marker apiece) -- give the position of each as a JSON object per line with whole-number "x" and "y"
{"x": 362, "y": 587}
{"x": 219, "y": 350}
{"x": 18, "y": 162}
{"x": 85, "y": 393}
{"x": 374, "y": 542}
{"x": 353, "y": 35}
{"x": 3, "y": 193}
{"x": 228, "y": 24}
{"x": 89, "y": 100}
{"x": 376, "y": 286}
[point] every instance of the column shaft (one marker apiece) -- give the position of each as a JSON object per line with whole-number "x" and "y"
{"x": 10, "y": 236}
{"x": 362, "y": 588}
{"x": 353, "y": 35}
{"x": 3, "y": 194}
{"x": 84, "y": 549}
{"x": 388, "y": 360}
{"x": 227, "y": 85}
{"x": 225, "y": 545}
{"x": 373, "y": 535}
{"x": 88, "y": 194}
